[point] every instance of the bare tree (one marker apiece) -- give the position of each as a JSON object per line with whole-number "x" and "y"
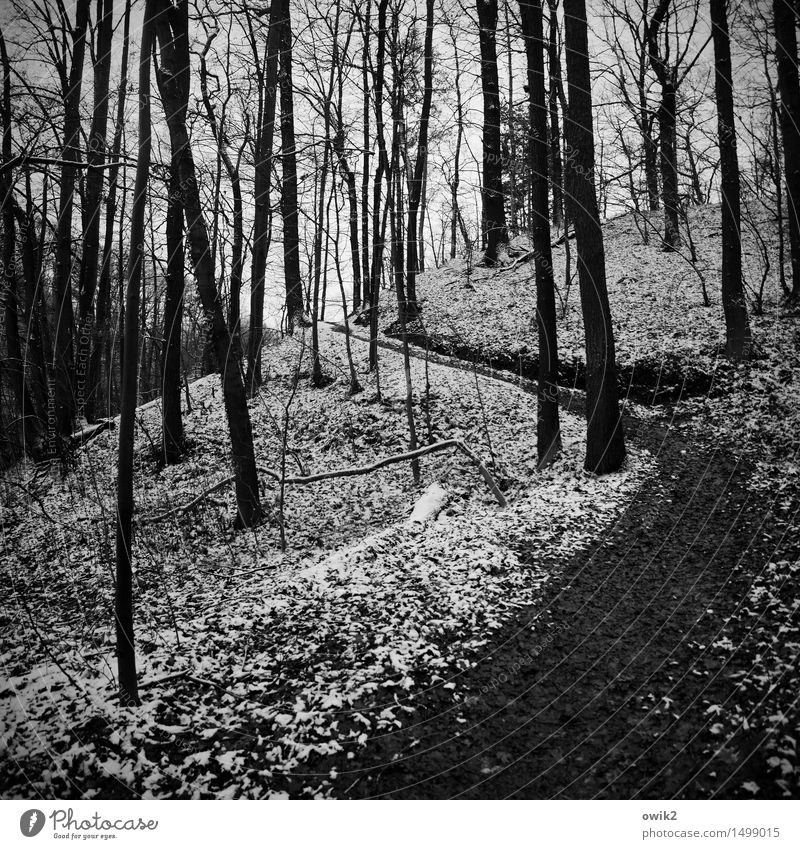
{"x": 173, "y": 83}
{"x": 548, "y": 432}
{"x": 733, "y": 300}
{"x": 605, "y": 442}
{"x": 87, "y": 284}
{"x": 789, "y": 89}
{"x": 261, "y": 191}
{"x": 420, "y": 165}
{"x": 289, "y": 208}
{"x": 669, "y": 61}
{"x": 8, "y": 277}
{"x": 64, "y": 361}
{"x": 494, "y": 213}
{"x": 123, "y": 604}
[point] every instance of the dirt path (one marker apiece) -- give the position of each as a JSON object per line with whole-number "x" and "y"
{"x": 602, "y": 689}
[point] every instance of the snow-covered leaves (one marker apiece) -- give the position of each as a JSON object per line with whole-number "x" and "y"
{"x": 259, "y": 661}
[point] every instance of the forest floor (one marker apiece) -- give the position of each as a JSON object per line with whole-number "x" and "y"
{"x": 632, "y": 635}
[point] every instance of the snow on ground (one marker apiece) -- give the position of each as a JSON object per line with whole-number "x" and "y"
{"x": 752, "y": 411}
{"x": 256, "y": 660}
{"x": 656, "y": 298}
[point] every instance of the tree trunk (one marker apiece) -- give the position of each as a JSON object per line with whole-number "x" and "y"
{"x": 777, "y": 179}
{"x": 554, "y": 70}
{"x": 171, "y": 418}
{"x": 64, "y": 361}
{"x": 91, "y": 225}
{"x": 605, "y": 443}
{"x": 291, "y": 236}
{"x": 232, "y": 170}
{"x": 38, "y": 349}
{"x": 420, "y": 165}
{"x": 365, "y": 294}
{"x": 378, "y": 228}
{"x": 15, "y": 363}
{"x": 352, "y": 197}
{"x": 100, "y": 334}
{"x": 494, "y": 213}
{"x": 454, "y": 185}
{"x": 789, "y": 89}
{"x": 173, "y": 83}
{"x": 317, "y": 377}
{"x": 650, "y": 152}
{"x": 512, "y": 134}
{"x": 733, "y": 300}
{"x": 123, "y": 603}
{"x": 261, "y": 218}
{"x": 548, "y": 433}
{"x": 667, "y": 78}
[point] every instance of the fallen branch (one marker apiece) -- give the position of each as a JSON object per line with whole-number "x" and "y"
{"x": 353, "y": 472}
{"x": 562, "y": 238}
{"x": 522, "y": 258}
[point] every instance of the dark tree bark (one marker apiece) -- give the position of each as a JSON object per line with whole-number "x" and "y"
{"x": 668, "y": 79}
{"x": 554, "y": 68}
{"x": 352, "y": 198}
{"x": 420, "y": 165}
{"x": 349, "y": 177}
{"x": 650, "y": 158}
{"x": 494, "y": 213}
{"x": 173, "y": 84}
{"x": 605, "y": 442}
{"x": 789, "y": 90}
{"x": 232, "y": 170}
{"x": 123, "y": 600}
{"x": 364, "y": 296}
{"x": 291, "y": 236}
{"x": 378, "y": 227}
{"x": 261, "y": 190}
{"x": 777, "y": 179}
{"x": 100, "y": 355}
{"x": 171, "y": 418}
{"x": 734, "y": 305}
{"x": 87, "y": 284}
{"x": 548, "y": 432}
{"x": 38, "y": 349}
{"x": 455, "y": 211}
{"x": 64, "y": 360}
{"x": 16, "y": 363}
{"x": 317, "y": 376}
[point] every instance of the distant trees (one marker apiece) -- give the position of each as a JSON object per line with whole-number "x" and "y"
{"x": 386, "y": 123}
{"x": 605, "y": 442}
{"x": 627, "y": 34}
